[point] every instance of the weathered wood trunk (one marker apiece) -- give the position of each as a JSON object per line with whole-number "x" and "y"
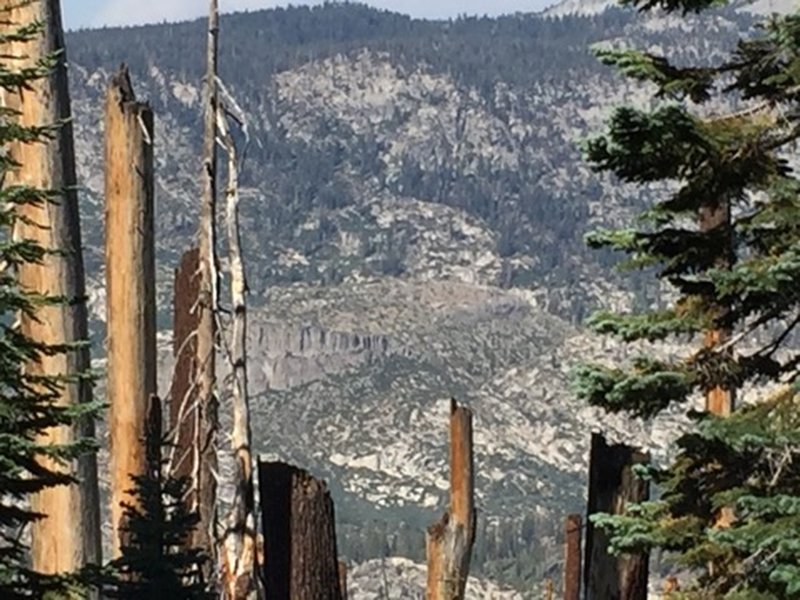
{"x": 239, "y": 544}
{"x": 69, "y": 535}
{"x": 299, "y": 535}
{"x": 343, "y": 579}
{"x": 207, "y": 433}
{"x": 183, "y": 410}
{"x": 720, "y": 399}
{"x": 612, "y": 486}
{"x": 131, "y": 289}
{"x": 449, "y": 541}
{"x": 573, "y": 532}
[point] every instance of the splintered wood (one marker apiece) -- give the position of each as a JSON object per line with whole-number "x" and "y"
{"x": 238, "y": 548}
{"x": 449, "y": 541}
{"x": 130, "y": 283}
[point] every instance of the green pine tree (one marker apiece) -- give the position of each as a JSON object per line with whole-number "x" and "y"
{"x": 155, "y": 563}
{"x": 727, "y": 239}
{"x": 27, "y": 402}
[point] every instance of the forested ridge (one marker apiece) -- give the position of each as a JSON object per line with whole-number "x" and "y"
{"x": 512, "y": 71}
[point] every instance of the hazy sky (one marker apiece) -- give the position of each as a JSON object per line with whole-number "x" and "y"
{"x": 92, "y": 13}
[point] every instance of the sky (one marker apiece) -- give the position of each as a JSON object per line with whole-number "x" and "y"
{"x": 96, "y": 13}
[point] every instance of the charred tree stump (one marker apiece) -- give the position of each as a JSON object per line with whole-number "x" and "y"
{"x": 612, "y": 486}
{"x": 297, "y": 515}
{"x": 130, "y": 281}
{"x": 449, "y": 541}
{"x": 572, "y": 548}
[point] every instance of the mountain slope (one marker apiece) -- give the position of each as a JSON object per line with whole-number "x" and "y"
{"x": 414, "y": 207}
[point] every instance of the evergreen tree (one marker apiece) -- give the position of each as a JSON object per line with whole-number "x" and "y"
{"x": 155, "y": 563}
{"x": 726, "y": 237}
{"x": 27, "y": 402}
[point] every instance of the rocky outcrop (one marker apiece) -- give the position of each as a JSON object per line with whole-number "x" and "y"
{"x": 288, "y": 355}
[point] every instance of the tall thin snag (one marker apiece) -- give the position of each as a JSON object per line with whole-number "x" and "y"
{"x": 131, "y": 289}
{"x": 450, "y": 540}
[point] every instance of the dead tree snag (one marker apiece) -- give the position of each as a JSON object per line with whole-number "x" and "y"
{"x": 612, "y": 486}
{"x": 130, "y": 283}
{"x": 297, "y": 516}
{"x": 449, "y": 541}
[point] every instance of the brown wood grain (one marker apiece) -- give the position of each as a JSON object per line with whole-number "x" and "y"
{"x": 68, "y": 537}
{"x": 130, "y": 285}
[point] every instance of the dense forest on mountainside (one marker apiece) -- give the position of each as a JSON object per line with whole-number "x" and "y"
{"x": 504, "y": 69}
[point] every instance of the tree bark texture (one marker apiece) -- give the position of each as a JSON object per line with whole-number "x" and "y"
{"x": 183, "y": 411}
{"x": 299, "y": 535}
{"x": 207, "y": 433}
{"x": 68, "y": 537}
{"x": 449, "y": 542}
{"x": 612, "y": 486}
{"x": 239, "y": 544}
{"x": 720, "y": 399}
{"x": 573, "y": 532}
{"x": 130, "y": 284}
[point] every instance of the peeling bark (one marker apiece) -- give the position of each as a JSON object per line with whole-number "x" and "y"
{"x": 239, "y": 543}
{"x": 207, "y": 418}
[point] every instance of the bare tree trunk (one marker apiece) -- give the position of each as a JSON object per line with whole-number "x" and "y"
{"x": 131, "y": 289}
{"x": 183, "y": 455}
{"x": 69, "y": 535}
{"x": 720, "y": 399}
{"x": 207, "y": 423}
{"x": 572, "y": 549}
{"x": 343, "y": 579}
{"x": 239, "y": 544}
{"x": 299, "y": 535}
{"x": 612, "y": 486}
{"x": 450, "y": 541}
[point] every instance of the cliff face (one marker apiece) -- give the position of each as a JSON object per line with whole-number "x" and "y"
{"x": 288, "y": 356}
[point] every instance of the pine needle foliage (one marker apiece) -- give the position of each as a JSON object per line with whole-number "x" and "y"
{"x": 749, "y": 462}
{"x": 726, "y": 238}
{"x": 737, "y": 274}
{"x": 27, "y": 401}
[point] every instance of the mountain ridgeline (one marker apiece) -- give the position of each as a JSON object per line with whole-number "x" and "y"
{"x": 414, "y": 207}
{"x": 348, "y": 105}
